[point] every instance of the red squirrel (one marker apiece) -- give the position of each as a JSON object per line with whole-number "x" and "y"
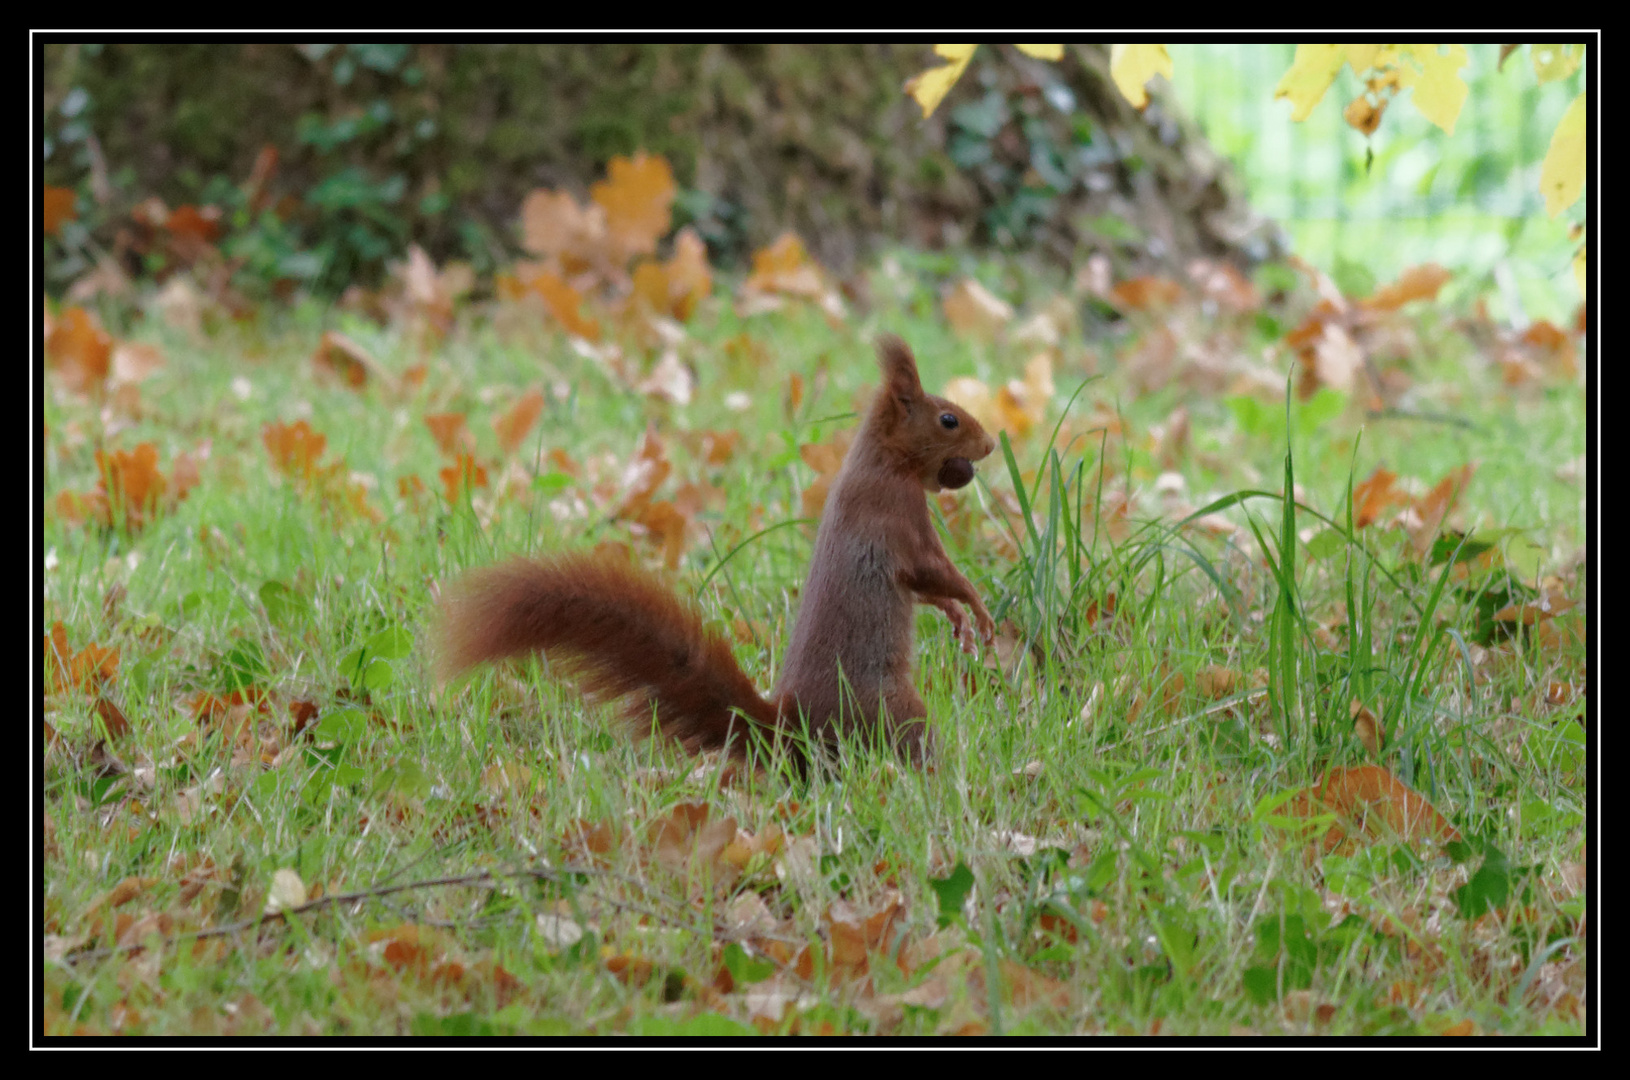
{"x": 622, "y": 633}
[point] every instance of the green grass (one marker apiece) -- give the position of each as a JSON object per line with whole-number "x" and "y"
{"x": 1123, "y": 819}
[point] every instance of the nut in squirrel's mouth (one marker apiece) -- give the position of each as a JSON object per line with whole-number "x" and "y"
{"x": 955, "y": 473}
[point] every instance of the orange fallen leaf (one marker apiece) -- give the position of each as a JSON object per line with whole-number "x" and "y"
{"x": 1554, "y": 346}
{"x": 555, "y": 226}
{"x": 637, "y": 197}
{"x": 341, "y": 356}
{"x": 294, "y": 448}
{"x": 1433, "y": 507}
{"x": 125, "y": 891}
{"x": 1372, "y": 497}
{"x": 690, "y": 281}
{"x": 200, "y": 225}
{"x": 59, "y": 207}
{"x": 85, "y": 670}
{"x": 79, "y": 348}
{"x": 461, "y": 476}
{"x": 516, "y": 421}
{"x": 131, "y": 484}
{"x": 1546, "y": 607}
{"x": 1416, "y": 283}
{"x": 565, "y": 304}
{"x": 1141, "y": 293}
{"x": 1376, "y": 804}
{"x": 113, "y": 720}
{"x": 450, "y": 432}
{"x": 785, "y": 267}
{"x": 1222, "y": 282}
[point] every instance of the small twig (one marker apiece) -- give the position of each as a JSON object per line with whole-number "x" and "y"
{"x": 1394, "y": 413}
{"x": 1221, "y": 706}
{"x": 484, "y": 877}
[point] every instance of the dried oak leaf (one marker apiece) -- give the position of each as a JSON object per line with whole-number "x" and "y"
{"x": 637, "y": 196}
{"x": 294, "y": 448}
{"x": 80, "y": 350}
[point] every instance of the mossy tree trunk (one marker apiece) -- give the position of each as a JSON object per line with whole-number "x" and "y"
{"x": 447, "y": 139}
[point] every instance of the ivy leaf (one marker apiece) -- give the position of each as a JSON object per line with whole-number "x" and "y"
{"x": 952, "y": 892}
{"x": 366, "y": 668}
{"x": 1488, "y": 888}
{"x": 344, "y": 726}
{"x": 744, "y": 969}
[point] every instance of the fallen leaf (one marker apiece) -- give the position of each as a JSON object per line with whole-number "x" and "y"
{"x": 294, "y": 448}
{"x": 462, "y": 476}
{"x": 973, "y": 311}
{"x": 451, "y": 433}
{"x": 59, "y": 207}
{"x": 517, "y": 421}
{"x": 1367, "y": 727}
{"x": 342, "y": 357}
{"x": 80, "y": 349}
{"x": 1416, "y": 283}
{"x": 1144, "y": 293}
{"x": 565, "y": 303}
{"x": 637, "y": 197}
{"x": 554, "y": 225}
{"x": 1374, "y": 495}
{"x": 287, "y": 891}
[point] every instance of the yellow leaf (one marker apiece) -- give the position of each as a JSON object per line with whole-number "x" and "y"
{"x": 1310, "y": 75}
{"x": 1132, "y": 66}
{"x": 1362, "y": 57}
{"x": 1439, "y": 90}
{"x": 931, "y": 86}
{"x": 1552, "y": 62}
{"x": 1579, "y": 268}
{"x": 1042, "y": 52}
{"x": 1562, "y": 177}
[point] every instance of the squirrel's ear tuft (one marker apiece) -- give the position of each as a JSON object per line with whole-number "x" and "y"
{"x": 899, "y": 368}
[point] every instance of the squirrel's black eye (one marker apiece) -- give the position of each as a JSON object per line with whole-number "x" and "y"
{"x": 947, "y": 421}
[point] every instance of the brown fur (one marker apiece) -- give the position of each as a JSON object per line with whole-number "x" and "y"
{"x": 847, "y": 670}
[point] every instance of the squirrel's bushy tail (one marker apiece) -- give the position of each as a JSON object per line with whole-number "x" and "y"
{"x": 619, "y": 631}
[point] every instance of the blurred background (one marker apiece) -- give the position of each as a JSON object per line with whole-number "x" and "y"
{"x": 315, "y": 167}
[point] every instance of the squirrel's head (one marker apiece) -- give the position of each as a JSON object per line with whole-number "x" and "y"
{"x": 936, "y": 440}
